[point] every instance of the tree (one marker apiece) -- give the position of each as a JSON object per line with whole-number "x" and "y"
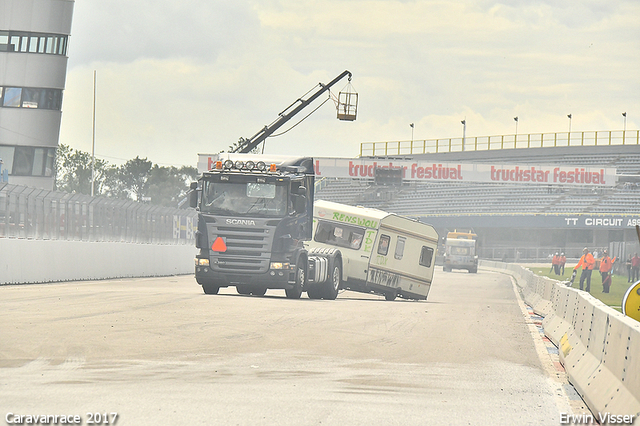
{"x": 168, "y": 186}
{"x": 241, "y": 142}
{"x": 134, "y": 175}
{"x": 136, "y": 179}
{"x": 73, "y": 171}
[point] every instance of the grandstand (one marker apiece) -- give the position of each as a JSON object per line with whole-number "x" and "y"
{"x": 527, "y": 221}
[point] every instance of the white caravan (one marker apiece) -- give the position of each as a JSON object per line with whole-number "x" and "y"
{"x": 370, "y": 251}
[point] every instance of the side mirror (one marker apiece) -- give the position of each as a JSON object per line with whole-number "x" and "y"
{"x": 193, "y": 195}
{"x": 300, "y": 204}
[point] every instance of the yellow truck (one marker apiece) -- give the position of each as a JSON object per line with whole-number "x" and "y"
{"x": 369, "y": 251}
{"x": 460, "y": 251}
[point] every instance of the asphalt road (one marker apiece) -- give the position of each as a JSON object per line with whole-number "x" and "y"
{"x": 157, "y": 351}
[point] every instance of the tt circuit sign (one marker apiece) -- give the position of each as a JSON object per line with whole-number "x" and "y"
{"x": 425, "y": 171}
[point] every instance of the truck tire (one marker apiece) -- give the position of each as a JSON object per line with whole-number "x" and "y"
{"x": 334, "y": 278}
{"x": 390, "y": 296}
{"x": 301, "y": 276}
{"x": 210, "y": 288}
{"x": 259, "y": 291}
{"x": 314, "y": 292}
{"x": 243, "y": 289}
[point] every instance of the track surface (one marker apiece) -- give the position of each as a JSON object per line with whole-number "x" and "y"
{"x": 158, "y": 351}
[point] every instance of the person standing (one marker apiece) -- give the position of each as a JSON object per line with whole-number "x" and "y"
{"x": 635, "y": 268}
{"x": 555, "y": 264}
{"x": 563, "y": 261}
{"x": 606, "y": 264}
{"x": 629, "y": 270}
{"x": 587, "y": 262}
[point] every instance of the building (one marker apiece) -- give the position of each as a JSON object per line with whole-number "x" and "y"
{"x": 34, "y": 42}
{"x": 514, "y": 218}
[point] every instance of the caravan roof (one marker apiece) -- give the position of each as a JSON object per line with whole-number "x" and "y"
{"x": 332, "y": 211}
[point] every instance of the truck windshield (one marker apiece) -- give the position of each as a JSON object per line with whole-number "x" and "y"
{"x": 244, "y": 199}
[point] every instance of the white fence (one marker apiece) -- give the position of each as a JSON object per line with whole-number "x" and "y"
{"x": 24, "y": 261}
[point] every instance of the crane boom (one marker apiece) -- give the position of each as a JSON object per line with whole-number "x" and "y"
{"x": 248, "y": 144}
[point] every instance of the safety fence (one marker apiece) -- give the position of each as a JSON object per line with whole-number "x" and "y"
{"x": 33, "y": 213}
{"x": 598, "y": 346}
{"x": 485, "y": 143}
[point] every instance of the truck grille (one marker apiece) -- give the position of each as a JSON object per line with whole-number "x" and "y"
{"x": 248, "y": 249}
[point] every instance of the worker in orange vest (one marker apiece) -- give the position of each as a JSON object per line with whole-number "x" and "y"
{"x": 555, "y": 264}
{"x": 606, "y": 264}
{"x": 588, "y": 263}
{"x": 563, "y": 260}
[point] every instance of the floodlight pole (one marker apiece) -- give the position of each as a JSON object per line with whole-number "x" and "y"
{"x": 464, "y": 132}
{"x": 93, "y": 141}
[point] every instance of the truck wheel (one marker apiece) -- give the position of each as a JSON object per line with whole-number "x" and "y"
{"x": 473, "y": 270}
{"x": 390, "y": 296}
{"x": 301, "y": 275}
{"x": 210, "y": 289}
{"x": 332, "y": 285}
{"x": 313, "y": 292}
{"x": 259, "y": 291}
{"x": 243, "y": 289}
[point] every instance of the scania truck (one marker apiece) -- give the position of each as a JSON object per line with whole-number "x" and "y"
{"x": 254, "y": 214}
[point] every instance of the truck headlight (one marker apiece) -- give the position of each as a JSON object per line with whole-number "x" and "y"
{"x": 202, "y": 262}
{"x": 279, "y": 265}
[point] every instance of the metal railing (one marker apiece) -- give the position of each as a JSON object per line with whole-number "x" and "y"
{"x": 34, "y": 213}
{"x": 484, "y": 143}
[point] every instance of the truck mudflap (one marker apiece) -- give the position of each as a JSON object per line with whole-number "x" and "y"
{"x": 324, "y": 276}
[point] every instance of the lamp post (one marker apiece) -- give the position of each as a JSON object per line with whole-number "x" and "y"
{"x": 93, "y": 141}
{"x": 624, "y": 130}
{"x": 569, "y": 134}
{"x": 412, "y": 126}
{"x": 515, "y": 140}
{"x": 464, "y": 131}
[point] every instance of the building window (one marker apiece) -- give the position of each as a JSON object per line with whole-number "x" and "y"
{"x": 28, "y": 160}
{"x": 25, "y": 42}
{"x": 12, "y": 97}
{"x": 18, "y": 97}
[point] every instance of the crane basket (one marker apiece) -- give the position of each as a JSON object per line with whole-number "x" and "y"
{"x": 347, "y": 103}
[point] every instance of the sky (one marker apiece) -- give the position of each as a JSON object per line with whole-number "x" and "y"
{"x": 175, "y": 79}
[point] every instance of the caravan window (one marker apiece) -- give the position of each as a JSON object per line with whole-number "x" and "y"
{"x": 338, "y": 234}
{"x": 400, "y": 247}
{"x": 426, "y": 255}
{"x": 383, "y": 245}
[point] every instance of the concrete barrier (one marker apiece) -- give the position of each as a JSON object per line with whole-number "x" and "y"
{"x": 38, "y": 261}
{"x": 598, "y": 346}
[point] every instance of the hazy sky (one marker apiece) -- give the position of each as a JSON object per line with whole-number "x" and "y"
{"x": 178, "y": 78}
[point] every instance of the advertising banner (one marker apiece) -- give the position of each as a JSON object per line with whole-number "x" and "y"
{"x": 429, "y": 171}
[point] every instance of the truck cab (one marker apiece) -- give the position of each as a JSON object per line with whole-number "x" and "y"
{"x": 460, "y": 251}
{"x": 254, "y": 213}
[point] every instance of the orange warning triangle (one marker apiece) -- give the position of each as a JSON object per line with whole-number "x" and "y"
{"x": 219, "y": 245}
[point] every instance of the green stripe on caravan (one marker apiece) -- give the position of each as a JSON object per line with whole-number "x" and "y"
{"x": 355, "y": 220}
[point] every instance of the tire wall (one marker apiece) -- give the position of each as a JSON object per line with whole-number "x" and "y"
{"x": 598, "y": 346}
{"x": 24, "y": 261}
